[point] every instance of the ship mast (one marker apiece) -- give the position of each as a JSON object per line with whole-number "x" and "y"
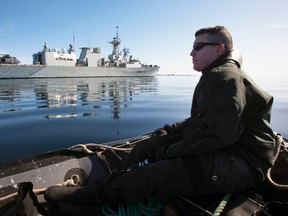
{"x": 115, "y": 51}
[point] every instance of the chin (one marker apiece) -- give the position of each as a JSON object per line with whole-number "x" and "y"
{"x": 196, "y": 68}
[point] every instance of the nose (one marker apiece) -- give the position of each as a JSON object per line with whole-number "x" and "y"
{"x": 192, "y": 53}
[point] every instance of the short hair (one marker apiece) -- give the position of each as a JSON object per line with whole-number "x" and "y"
{"x": 219, "y": 34}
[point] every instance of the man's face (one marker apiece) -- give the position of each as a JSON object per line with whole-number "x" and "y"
{"x": 204, "y": 52}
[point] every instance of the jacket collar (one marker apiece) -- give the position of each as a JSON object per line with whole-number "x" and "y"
{"x": 231, "y": 55}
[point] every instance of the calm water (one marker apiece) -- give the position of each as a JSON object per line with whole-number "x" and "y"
{"x": 38, "y": 115}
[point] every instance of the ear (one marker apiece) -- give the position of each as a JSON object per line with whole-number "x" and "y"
{"x": 221, "y": 49}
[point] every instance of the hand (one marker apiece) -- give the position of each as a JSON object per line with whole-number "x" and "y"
{"x": 178, "y": 127}
{"x": 159, "y": 132}
{"x": 163, "y": 131}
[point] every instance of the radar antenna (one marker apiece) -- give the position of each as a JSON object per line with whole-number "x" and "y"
{"x": 126, "y": 52}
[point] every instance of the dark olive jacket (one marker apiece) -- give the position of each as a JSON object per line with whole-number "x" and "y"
{"x": 228, "y": 111}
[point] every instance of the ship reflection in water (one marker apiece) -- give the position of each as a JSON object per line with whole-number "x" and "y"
{"x": 95, "y": 94}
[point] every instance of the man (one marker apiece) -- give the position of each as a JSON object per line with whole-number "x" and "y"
{"x": 226, "y": 145}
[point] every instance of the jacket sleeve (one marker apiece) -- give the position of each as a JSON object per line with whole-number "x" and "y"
{"x": 216, "y": 118}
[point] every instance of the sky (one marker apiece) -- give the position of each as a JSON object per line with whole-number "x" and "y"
{"x": 156, "y": 31}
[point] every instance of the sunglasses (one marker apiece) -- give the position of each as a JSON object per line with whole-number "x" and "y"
{"x": 200, "y": 45}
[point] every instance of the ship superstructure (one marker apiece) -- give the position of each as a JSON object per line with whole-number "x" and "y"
{"x": 58, "y": 62}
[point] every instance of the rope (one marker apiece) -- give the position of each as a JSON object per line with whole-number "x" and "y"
{"x": 150, "y": 207}
{"x": 84, "y": 147}
{"x": 69, "y": 182}
{"x": 219, "y": 209}
{"x": 281, "y": 146}
{"x": 222, "y": 205}
{"x": 272, "y": 182}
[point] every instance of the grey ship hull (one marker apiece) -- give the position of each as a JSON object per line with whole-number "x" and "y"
{"x": 31, "y": 71}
